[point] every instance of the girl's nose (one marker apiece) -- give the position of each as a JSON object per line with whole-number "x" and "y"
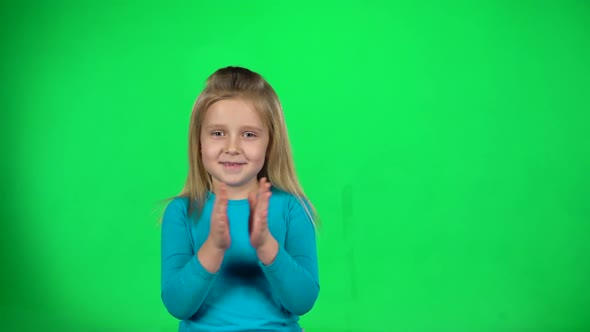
{"x": 232, "y": 145}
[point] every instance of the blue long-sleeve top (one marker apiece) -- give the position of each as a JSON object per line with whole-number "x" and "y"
{"x": 245, "y": 294}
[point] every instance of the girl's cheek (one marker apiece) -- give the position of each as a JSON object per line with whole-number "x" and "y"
{"x": 212, "y": 145}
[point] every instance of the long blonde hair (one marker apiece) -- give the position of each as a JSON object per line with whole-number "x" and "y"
{"x": 279, "y": 169}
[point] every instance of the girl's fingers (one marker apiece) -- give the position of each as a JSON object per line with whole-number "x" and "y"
{"x": 259, "y": 202}
{"x": 253, "y": 200}
{"x": 261, "y": 186}
{"x": 263, "y": 206}
{"x": 221, "y": 204}
{"x": 266, "y": 194}
{"x": 222, "y": 192}
{"x": 264, "y": 189}
{"x": 268, "y": 185}
{"x": 261, "y": 198}
{"x": 256, "y": 199}
{"x": 223, "y": 210}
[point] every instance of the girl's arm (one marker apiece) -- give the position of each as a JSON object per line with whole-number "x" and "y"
{"x": 293, "y": 275}
{"x": 185, "y": 282}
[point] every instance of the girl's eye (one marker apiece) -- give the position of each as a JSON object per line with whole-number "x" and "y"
{"x": 250, "y": 134}
{"x": 217, "y": 133}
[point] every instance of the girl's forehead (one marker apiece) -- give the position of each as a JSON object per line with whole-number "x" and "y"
{"x": 233, "y": 111}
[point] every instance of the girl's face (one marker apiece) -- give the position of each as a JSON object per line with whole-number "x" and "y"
{"x": 233, "y": 146}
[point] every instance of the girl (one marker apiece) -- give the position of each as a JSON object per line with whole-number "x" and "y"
{"x": 238, "y": 254}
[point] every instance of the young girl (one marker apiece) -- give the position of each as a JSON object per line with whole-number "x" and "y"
{"x": 237, "y": 253}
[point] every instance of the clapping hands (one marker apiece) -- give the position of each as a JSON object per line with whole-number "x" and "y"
{"x": 260, "y": 236}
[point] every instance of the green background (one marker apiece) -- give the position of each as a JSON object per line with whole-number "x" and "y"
{"x": 445, "y": 144}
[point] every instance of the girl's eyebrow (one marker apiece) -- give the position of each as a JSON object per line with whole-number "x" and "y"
{"x": 245, "y": 127}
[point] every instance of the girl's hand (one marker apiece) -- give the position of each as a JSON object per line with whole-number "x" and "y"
{"x": 219, "y": 228}
{"x": 258, "y": 223}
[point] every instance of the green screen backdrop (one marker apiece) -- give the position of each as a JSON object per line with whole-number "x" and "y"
{"x": 445, "y": 145}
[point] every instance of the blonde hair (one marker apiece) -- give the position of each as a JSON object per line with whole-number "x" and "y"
{"x": 279, "y": 169}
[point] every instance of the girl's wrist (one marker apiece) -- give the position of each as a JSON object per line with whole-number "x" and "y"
{"x": 210, "y": 256}
{"x": 213, "y": 248}
{"x": 268, "y": 251}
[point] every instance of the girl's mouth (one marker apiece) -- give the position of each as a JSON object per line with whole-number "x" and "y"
{"x": 233, "y": 166}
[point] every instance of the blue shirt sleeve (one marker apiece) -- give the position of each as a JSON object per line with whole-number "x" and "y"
{"x": 185, "y": 282}
{"x": 293, "y": 275}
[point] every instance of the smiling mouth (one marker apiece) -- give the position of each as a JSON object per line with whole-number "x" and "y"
{"x": 233, "y": 164}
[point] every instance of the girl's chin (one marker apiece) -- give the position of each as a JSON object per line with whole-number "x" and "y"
{"x": 239, "y": 183}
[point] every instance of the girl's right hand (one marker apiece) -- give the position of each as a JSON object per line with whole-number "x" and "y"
{"x": 219, "y": 227}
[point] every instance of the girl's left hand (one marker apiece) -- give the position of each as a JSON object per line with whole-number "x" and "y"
{"x": 258, "y": 222}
